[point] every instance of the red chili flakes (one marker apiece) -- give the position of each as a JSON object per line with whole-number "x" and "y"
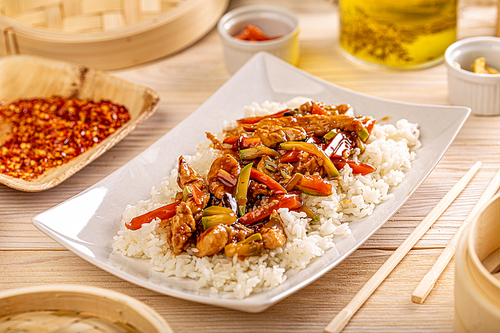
{"x": 46, "y": 133}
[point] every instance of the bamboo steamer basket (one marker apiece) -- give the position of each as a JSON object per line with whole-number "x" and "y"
{"x": 477, "y": 291}
{"x": 93, "y": 303}
{"x": 105, "y": 34}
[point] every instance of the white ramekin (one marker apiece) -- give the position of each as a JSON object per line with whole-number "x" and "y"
{"x": 480, "y": 92}
{"x": 273, "y": 21}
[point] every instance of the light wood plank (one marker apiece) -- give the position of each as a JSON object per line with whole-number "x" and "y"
{"x": 187, "y": 79}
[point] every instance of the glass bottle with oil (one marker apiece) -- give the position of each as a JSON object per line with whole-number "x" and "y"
{"x": 405, "y": 34}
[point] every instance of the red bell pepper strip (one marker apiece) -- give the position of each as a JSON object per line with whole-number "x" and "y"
{"x": 289, "y": 200}
{"x": 357, "y": 167}
{"x": 241, "y": 142}
{"x": 291, "y": 156}
{"x": 197, "y": 195}
{"x": 316, "y": 109}
{"x": 268, "y": 181}
{"x": 231, "y": 140}
{"x": 314, "y": 185}
{"x": 163, "y": 213}
{"x": 249, "y": 142}
{"x": 369, "y": 123}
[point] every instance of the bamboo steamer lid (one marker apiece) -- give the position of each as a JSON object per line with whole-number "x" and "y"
{"x": 70, "y": 308}
{"x": 477, "y": 291}
{"x": 105, "y": 34}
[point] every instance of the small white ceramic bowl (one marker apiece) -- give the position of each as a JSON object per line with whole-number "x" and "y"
{"x": 480, "y": 92}
{"x": 273, "y": 21}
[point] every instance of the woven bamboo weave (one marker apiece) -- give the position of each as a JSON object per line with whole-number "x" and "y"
{"x": 105, "y": 34}
{"x": 84, "y": 15}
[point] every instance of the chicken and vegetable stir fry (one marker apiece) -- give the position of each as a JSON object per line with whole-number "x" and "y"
{"x": 266, "y": 163}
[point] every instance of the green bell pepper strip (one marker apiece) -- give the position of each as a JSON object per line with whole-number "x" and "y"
{"x": 251, "y": 246}
{"x": 186, "y": 192}
{"x": 213, "y": 220}
{"x": 309, "y": 212}
{"x": 242, "y": 188}
{"x": 292, "y": 182}
{"x": 217, "y": 210}
{"x": 364, "y": 134}
{"x": 256, "y": 152}
{"x": 330, "y": 135}
{"x": 311, "y": 148}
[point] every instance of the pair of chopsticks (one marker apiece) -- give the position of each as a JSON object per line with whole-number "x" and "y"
{"x": 425, "y": 286}
{"x": 342, "y": 318}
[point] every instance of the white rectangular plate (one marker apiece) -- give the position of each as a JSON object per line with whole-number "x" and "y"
{"x": 86, "y": 223}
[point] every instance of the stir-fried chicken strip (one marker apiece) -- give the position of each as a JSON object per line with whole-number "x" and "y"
{"x": 273, "y": 233}
{"x": 317, "y": 125}
{"x": 309, "y": 165}
{"x": 180, "y": 228}
{"x": 189, "y": 177}
{"x": 228, "y": 164}
{"x": 238, "y": 232}
{"x": 274, "y": 135}
{"x": 273, "y": 238}
{"x": 216, "y": 142}
{"x": 212, "y": 240}
{"x": 255, "y": 189}
{"x": 340, "y": 109}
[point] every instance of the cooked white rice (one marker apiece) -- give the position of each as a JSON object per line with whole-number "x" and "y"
{"x": 390, "y": 149}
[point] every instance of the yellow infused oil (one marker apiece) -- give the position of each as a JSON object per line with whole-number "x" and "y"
{"x": 398, "y": 34}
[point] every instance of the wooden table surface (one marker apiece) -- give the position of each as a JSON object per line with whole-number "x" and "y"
{"x": 184, "y": 80}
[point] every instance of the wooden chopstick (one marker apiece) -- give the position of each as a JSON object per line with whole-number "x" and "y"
{"x": 342, "y": 318}
{"x": 425, "y": 286}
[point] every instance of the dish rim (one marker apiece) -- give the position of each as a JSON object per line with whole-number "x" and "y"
{"x": 248, "y": 304}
